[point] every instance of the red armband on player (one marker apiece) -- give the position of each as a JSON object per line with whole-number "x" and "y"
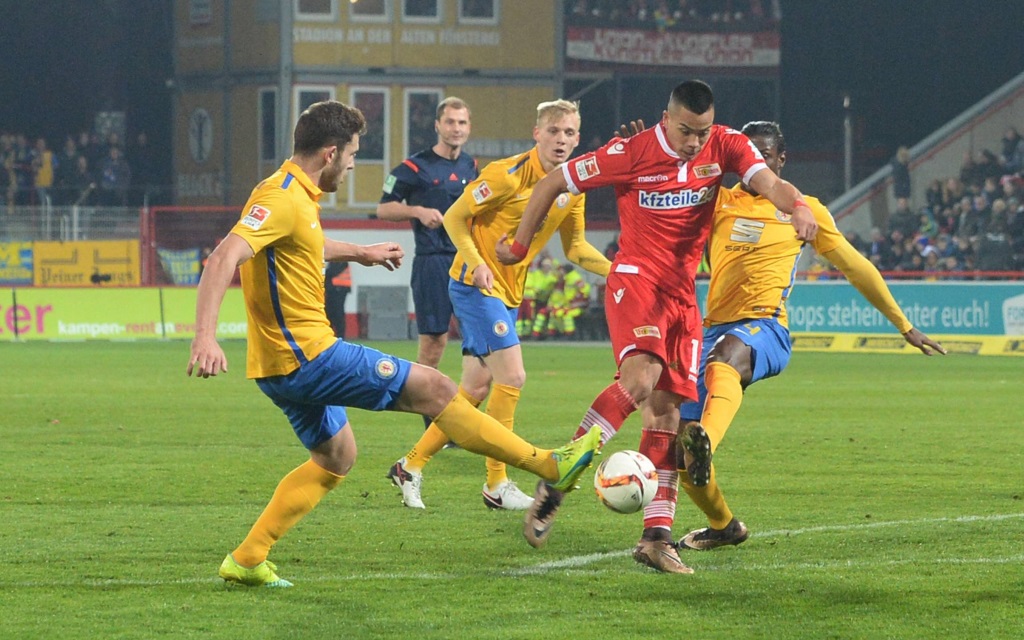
{"x": 518, "y": 249}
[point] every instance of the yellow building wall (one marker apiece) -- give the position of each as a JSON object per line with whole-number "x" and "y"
{"x": 522, "y": 39}
{"x": 199, "y": 40}
{"x": 255, "y": 44}
{"x": 199, "y": 148}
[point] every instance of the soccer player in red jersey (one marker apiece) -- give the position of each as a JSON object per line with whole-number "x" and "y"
{"x": 666, "y": 179}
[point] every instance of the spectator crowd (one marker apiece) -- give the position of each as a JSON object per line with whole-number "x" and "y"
{"x": 966, "y": 223}
{"x": 86, "y": 170}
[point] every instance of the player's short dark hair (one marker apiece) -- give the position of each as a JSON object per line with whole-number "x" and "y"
{"x": 766, "y": 129}
{"x": 695, "y": 95}
{"x": 325, "y": 124}
{"x": 451, "y": 102}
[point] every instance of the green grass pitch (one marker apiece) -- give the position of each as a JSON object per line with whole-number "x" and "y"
{"x": 883, "y": 494}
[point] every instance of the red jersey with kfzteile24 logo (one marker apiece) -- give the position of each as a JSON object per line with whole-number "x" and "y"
{"x": 665, "y": 205}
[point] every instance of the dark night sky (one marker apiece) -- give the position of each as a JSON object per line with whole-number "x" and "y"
{"x": 909, "y": 66}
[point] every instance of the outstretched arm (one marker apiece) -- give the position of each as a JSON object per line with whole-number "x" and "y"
{"x": 543, "y": 196}
{"x": 865, "y": 278}
{"x": 207, "y": 358}
{"x": 787, "y": 199}
{"x": 385, "y": 254}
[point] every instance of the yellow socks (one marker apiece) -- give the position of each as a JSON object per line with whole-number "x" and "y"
{"x": 709, "y": 499}
{"x": 725, "y": 394}
{"x": 480, "y": 433}
{"x": 502, "y": 407}
{"x": 295, "y": 496}
{"x": 432, "y": 441}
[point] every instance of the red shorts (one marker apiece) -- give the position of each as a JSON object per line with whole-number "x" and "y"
{"x": 641, "y": 317}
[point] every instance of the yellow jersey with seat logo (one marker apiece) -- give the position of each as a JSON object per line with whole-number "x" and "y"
{"x": 753, "y": 252}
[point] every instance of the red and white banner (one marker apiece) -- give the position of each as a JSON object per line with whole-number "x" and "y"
{"x": 681, "y": 49}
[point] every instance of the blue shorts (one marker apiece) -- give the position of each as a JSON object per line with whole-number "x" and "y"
{"x": 430, "y": 292}
{"x": 770, "y": 348}
{"x": 487, "y": 325}
{"x": 315, "y": 395}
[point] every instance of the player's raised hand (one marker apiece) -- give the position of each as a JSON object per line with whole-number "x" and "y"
{"x": 804, "y": 224}
{"x": 385, "y": 254}
{"x": 207, "y": 359}
{"x": 634, "y": 127}
{"x": 483, "y": 278}
{"x": 503, "y": 250}
{"x": 923, "y": 342}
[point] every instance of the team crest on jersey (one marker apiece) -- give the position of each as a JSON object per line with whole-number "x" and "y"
{"x": 783, "y": 217}
{"x": 386, "y": 368}
{"x": 481, "y": 193}
{"x": 562, "y": 200}
{"x": 389, "y": 184}
{"x": 256, "y": 217}
{"x": 647, "y": 331}
{"x": 500, "y": 328}
{"x": 707, "y": 170}
{"x": 587, "y": 169}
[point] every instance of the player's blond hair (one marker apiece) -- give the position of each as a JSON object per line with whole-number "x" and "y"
{"x": 555, "y": 109}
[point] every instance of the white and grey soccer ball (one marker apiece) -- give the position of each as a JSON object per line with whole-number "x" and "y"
{"x": 626, "y": 481}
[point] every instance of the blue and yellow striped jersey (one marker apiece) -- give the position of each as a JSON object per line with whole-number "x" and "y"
{"x": 283, "y": 283}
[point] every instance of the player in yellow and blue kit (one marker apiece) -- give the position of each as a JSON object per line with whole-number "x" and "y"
{"x": 295, "y": 358}
{"x": 486, "y": 294}
{"x": 753, "y": 253}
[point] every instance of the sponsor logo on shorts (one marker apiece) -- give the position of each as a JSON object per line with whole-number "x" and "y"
{"x": 481, "y": 193}
{"x": 647, "y": 331}
{"x": 562, "y": 200}
{"x": 256, "y": 217}
{"x": 386, "y": 368}
{"x": 587, "y": 169}
{"x": 707, "y": 170}
{"x": 500, "y": 328}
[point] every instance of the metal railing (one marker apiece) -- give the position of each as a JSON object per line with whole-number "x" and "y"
{"x": 66, "y": 223}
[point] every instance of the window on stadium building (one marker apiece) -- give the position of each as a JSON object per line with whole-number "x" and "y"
{"x": 421, "y": 11}
{"x": 268, "y": 125}
{"x": 478, "y": 11}
{"x": 317, "y": 10}
{"x": 370, "y": 10}
{"x": 420, "y": 113}
{"x": 372, "y": 101}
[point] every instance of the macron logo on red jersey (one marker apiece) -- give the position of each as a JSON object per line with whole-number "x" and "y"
{"x": 676, "y": 199}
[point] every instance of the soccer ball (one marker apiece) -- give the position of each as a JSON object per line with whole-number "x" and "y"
{"x": 626, "y": 481}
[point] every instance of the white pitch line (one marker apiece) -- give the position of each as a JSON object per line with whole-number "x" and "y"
{"x": 580, "y": 561}
{"x": 577, "y": 562}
